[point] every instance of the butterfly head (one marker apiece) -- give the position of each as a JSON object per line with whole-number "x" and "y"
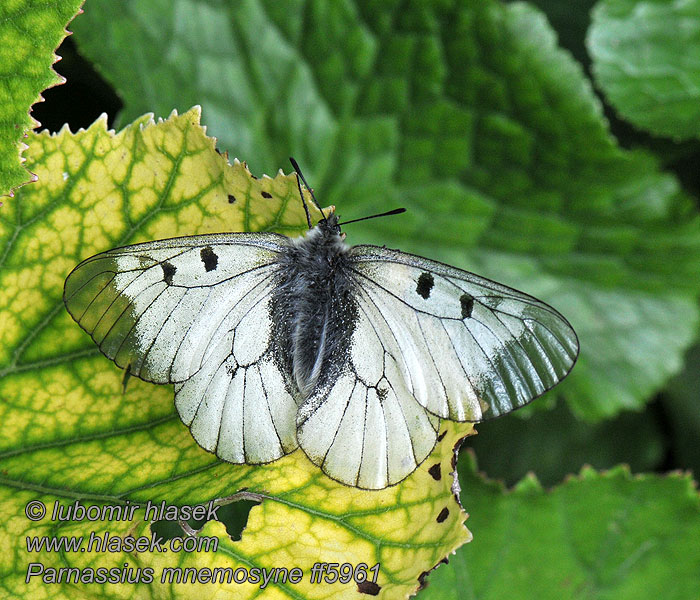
{"x": 326, "y": 233}
{"x": 329, "y": 225}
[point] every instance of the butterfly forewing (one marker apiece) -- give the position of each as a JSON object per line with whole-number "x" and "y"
{"x": 153, "y": 307}
{"x": 468, "y": 348}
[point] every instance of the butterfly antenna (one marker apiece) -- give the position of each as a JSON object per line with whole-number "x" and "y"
{"x": 303, "y": 201}
{"x": 308, "y": 187}
{"x": 396, "y": 211}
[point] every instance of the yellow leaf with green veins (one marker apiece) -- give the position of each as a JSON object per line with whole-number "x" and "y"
{"x": 70, "y": 433}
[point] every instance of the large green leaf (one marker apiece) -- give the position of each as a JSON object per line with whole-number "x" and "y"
{"x": 30, "y": 31}
{"x": 467, "y": 113}
{"x": 645, "y": 59}
{"x": 599, "y": 535}
{"x": 71, "y": 433}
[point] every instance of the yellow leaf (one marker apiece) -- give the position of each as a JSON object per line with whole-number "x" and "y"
{"x": 70, "y": 433}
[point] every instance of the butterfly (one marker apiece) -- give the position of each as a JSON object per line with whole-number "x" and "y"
{"x": 353, "y": 353}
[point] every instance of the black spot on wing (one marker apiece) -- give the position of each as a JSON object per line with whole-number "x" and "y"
{"x": 209, "y": 258}
{"x": 425, "y": 285}
{"x": 443, "y": 515}
{"x": 442, "y": 435}
{"x": 231, "y": 198}
{"x": 168, "y": 272}
{"x": 368, "y": 587}
{"x": 435, "y": 472}
{"x": 266, "y": 195}
{"x": 467, "y": 303}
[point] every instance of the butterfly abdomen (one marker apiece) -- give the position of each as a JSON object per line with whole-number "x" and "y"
{"x": 312, "y": 310}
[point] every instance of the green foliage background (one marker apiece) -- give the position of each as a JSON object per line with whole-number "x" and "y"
{"x": 551, "y": 146}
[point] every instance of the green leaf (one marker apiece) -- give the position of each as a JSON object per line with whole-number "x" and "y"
{"x": 70, "y": 432}
{"x": 598, "y": 535}
{"x": 222, "y": 55}
{"x": 465, "y": 112}
{"x": 30, "y": 31}
{"x": 645, "y": 61}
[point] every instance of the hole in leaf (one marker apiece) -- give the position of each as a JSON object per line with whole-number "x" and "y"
{"x": 234, "y": 516}
{"x": 81, "y": 99}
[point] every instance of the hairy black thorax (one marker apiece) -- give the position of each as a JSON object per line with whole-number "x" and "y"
{"x": 313, "y": 310}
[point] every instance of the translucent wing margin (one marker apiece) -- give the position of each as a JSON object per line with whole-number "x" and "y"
{"x": 468, "y": 349}
{"x": 364, "y": 428}
{"x": 193, "y": 311}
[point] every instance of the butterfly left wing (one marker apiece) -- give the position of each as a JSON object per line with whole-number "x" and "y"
{"x": 193, "y": 311}
{"x": 467, "y": 348}
{"x": 238, "y": 404}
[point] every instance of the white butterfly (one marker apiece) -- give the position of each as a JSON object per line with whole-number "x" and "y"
{"x": 352, "y": 353}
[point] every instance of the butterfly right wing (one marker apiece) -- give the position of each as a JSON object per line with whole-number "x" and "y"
{"x": 194, "y": 311}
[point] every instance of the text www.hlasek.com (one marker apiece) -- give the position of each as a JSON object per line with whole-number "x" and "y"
{"x": 113, "y": 543}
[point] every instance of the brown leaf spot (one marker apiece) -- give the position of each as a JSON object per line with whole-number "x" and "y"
{"x": 368, "y": 587}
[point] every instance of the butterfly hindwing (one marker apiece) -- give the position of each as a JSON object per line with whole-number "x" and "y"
{"x": 364, "y": 428}
{"x": 237, "y": 405}
{"x": 468, "y": 348}
{"x": 193, "y": 311}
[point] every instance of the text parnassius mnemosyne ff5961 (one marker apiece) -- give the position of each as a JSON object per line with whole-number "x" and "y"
{"x": 354, "y": 353}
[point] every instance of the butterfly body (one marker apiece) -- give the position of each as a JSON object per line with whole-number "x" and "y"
{"x": 354, "y": 353}
{"x": 313, "y": 308}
